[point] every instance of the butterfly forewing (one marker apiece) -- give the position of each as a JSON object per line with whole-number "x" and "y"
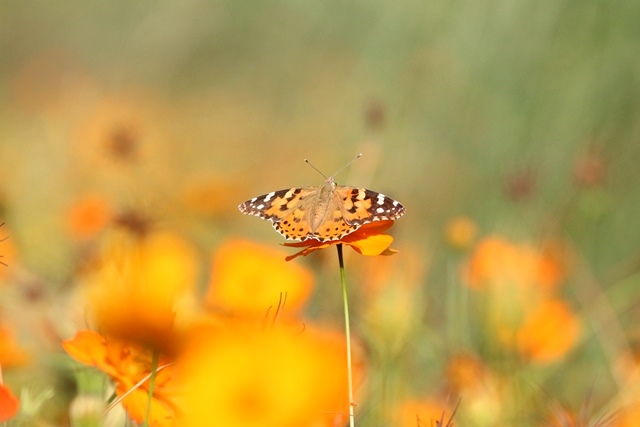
{"x": 275, "y": 205}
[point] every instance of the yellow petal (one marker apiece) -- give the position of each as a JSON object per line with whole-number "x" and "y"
{"x": 374, "y": 245}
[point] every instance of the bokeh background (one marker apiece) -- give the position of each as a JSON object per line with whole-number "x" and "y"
{"x": 509, "y": 130}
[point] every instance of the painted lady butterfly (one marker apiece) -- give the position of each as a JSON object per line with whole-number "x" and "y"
{"x": 325, "y": 213}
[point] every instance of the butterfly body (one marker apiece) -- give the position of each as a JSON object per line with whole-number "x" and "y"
{"x": 325, "y": 213}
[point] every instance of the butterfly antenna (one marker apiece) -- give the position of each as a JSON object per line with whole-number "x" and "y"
{"x": 340, "y": 170}
{"x": 318, "y": 170}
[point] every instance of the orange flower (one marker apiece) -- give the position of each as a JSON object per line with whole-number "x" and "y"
{"x": 366, "y": 240}
{"x": 87, "y": 216}
{"x": 424, "y": 412}
{"x": 9, "y": 404}
{"x": 283, "y": 378}
{"x": 213, "y": 195}
{"x": 127, "y": 364}
{"x": 549, "y": 332}
{"x": 247, "y": 278}
{"x": 627, "y": 417}
{"x": 11, "y": 354}
{"x": 121, "y": 128}
{"x": 144, "y": 287}
{"x": 498, "y": 262}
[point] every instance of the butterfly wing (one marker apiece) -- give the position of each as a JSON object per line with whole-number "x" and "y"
{"x": 293, "y": 212}
{"x": 286, "y": 209}
{"x": 361, "y": 206}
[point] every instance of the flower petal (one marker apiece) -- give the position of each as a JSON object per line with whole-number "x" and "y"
{"x": 372, "y": 245}
{"x": 9, "y": 404}
{"x": 89, "y": 348}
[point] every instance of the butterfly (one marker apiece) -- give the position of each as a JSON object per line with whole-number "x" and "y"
{"x": 325, "y": 213}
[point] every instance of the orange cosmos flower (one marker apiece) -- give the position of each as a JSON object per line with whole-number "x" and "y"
{"x": 366, "y": 240}
{"x": 87, "y": 216}
{"x": 549, "y": 332}
{"x": 498, "y": 262}
{"x": 9, "y": 404}
{"x": 421, "y": 412}
{"x": 11, "y": 354}
{"x": 282, "y": 378}
{"x": 127, "y": 365}
{"x": 144, "y": 288}
{"x": 247, "y": 278}
{"x": 627, "y": 417}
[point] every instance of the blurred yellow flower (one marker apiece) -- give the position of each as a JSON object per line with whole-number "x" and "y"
{"x": 246, "y": 278}
{"x": 479, "y": 388}
{"x": 144, "y": 286}
{"x": 366, "y": 240}
{"x": 87, "y": 216}
{"x": 460, "y": 232}
{"x": 392, "y": 297}
{"x": 280, "y": 378}
{"x": 127, "y": 364}
{"x": 549, "y": 331}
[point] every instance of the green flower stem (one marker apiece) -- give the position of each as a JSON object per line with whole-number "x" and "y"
{"x": 345, "y": 301}
{"x": 152, "y": 382}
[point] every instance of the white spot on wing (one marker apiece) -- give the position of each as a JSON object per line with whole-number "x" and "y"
{"x": 381, "y": 198}
{"x": 380, "y": 210}
{"x": 269, "y": 196}
{"x": 260, "y": 206}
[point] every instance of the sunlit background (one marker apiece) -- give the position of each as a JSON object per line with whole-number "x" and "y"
{"x": 509, "y": 130}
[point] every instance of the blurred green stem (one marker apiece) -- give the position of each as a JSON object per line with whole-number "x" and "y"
{"x": 152, "y": 382}
{"x": 345, "y": 301}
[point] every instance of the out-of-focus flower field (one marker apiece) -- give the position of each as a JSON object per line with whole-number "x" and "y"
{"x": 131, "y": 131}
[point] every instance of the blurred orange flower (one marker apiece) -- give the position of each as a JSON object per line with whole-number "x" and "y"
{"x": 549, "y": 331}
{"x": 498, "y": 262}
{"x": 247, "y": 278}
{"x": 9, "y": 404}
{"x": 87, "y": 216}
{"x": 213, "y": 195}
{"x": 121, "y": 128}
{"x": 627, "y": 417}
{"x": 478, "y": 386}
{"x": 127, "y": 364}
{"x": 366, "y": 240}
{"x": 143, "y": 288}
{"x": 11, "y": 354}
{"x": 283, "y": 378}
{"x": 418, "y": 413}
